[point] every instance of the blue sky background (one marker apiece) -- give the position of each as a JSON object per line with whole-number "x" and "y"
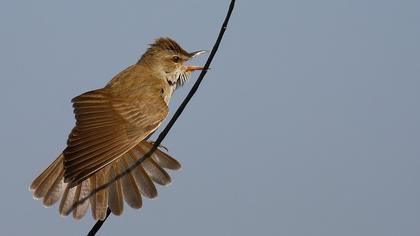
{"x": 307, "y": 124}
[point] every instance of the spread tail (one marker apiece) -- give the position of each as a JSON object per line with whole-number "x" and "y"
{"x": 50, "y": 186}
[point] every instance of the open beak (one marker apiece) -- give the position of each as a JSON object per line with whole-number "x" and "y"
{"x": 193, "y": 68}
{"x": 192, "y": 55}
{"x": 197, "y": 53}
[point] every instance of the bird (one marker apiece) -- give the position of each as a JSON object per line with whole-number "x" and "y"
{"x": 111, "y": 133}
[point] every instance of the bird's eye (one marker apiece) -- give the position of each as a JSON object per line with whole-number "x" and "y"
{"x": 175, "y": 59}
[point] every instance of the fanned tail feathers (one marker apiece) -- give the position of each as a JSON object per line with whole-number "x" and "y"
{"x": 50, "y": 186}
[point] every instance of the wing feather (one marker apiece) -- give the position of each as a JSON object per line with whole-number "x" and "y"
{"x": 107, "y": 126}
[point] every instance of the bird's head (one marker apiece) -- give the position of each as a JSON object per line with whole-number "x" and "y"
{"x": 165, "y": 56}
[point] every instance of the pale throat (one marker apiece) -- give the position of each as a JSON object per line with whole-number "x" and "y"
{"x": 173, "y": 80}
{"x": 170, "y": 80}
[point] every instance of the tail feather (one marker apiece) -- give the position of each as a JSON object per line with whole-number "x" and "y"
{"x": 115, "y": 192}
{"x": 99, "y": 201}
{"x": 46, "y": 180}
{"x": 56, "y": 190}
{"x": 50, "y": 186}
{"x": 156, "y": 173}
{"x": 130, "y": 190}
{"x": 82, "y": 191}
{"x": 40, "y": 179}
{"x": 163, "y": 159}
{"x": 147, "y": 188}
{"x": 67, "y": 200}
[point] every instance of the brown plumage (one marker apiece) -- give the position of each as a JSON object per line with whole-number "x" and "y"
{"x": 112, "y": 124}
